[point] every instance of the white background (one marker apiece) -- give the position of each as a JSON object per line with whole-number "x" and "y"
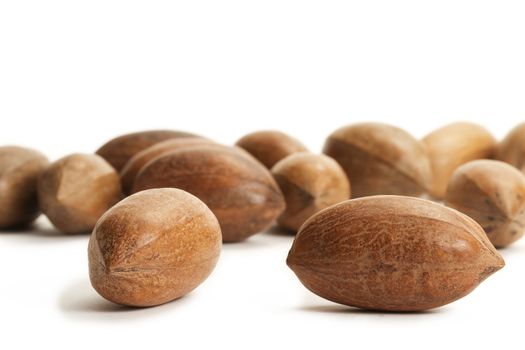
{"x": 76, "y": 73}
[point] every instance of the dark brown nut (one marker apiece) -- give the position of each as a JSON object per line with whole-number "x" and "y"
{"x": 492, "y": 193}
{"x": 453, "y": 145}
{"x": 76, "y": 190}
{"x": 135, "y": 164}
{"x": 392, "y": 253}
{"x": 310, "y": 183}
{"x": 380, "y": 159}
{"x": 239, "y": 190}
{"x": 512, "y": 148}
{"x": 153, "y": 247}
{"x": 270, "y": 146}
{"x": 19, "y": 171}
{"x": 120, "y": 149}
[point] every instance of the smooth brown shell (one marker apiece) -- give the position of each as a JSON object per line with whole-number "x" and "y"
{"x": 310, "y": 183}
{"x": 380, "y": 159}
{"x": 134, "y": 165}
{"x": 392, "y": 253}
{"x": 492, "y": 193}
{"x": 512, "y": 148}
{"x": 19, "y": 171}
{"x": 270, "y": 146}
{"x": 119, "y": 150}
{"x": 153, "y": 247}
{"x": 454, "y": 145}
{"x": 239, "y": 190}
{"x": 76, "y": 190}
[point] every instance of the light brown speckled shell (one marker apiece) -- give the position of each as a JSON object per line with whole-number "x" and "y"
{"x": 239, "y": 190}
{"x": 392, "y": 253}
{"x": 76, "y": 190}
{"x": 139, "y": 160}
{"x": 119, "y": 150}
{"x": 452, "y": 145}
{"x": 270, "y": 146}
{"x": 19, "y": 171}
{"x": 153, "y": 247}
{"x": 512, "y": 148}
{"x": 492, "y": 193}
{"x": 380, "y": 159}
{"x": 310, "y": 183}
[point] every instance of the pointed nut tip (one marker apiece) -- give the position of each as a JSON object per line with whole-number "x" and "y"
{"x": 497, "y": 264}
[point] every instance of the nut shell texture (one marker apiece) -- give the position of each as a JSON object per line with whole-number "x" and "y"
{"x": 270, "y": 146}
{"x": 153, "y": 247}
{"x": 239, "y": 190}
{"x": 76, "y": 190}
{"x": 380, "y": 159}
{"x": 310, "y": 183}
{"x": 453, "y": 145}
{"x": 492, "y": 193}
{"x": 512, "y": 148}
{"x": 119, "y": 150}
{"x": 19, "y": 171}
{"x": 392, "y": 253}
{"x": 139, "y": 160}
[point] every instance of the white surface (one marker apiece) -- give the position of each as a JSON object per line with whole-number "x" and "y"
{"x": 74, "y": 74}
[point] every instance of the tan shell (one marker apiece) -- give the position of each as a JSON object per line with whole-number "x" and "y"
{"x": 310, "y": 183}
{"x": 119, "y": 150}
{"x": 239, "y": 190}
{"x": 19, "y": 171}
{"x": 153, "y": 247}
{"x": 392, "y": 253}
{"x": 135, "y": 164}
{"x": 453, "y": 145}
{"x": 76, "y": 190}
{"x": 380, "y": 159}
{"x": 270, "y": 146}
{"x": 492, "y": 193}
{"x": 512, "y": 148}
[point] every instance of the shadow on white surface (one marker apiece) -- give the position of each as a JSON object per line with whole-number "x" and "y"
{"x": 278, "y": 231}
{"x": 41, "y": 235}
{"x": 41, "y": 231}
{"x": 268, "y": 239}
{"x": 342, "y": 309}
{"x": 79, "y": 300}
{"x": 313, "y": 304}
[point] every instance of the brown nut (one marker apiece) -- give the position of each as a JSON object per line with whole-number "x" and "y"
{"x": 119, "y": 150}
{"x": 380, "y": 159}
{"x": 135, "y": 164}
{"x": 76, "y": 190}
{"x": 19, "y": 171}
{"x": 153, "y": 247}
{"x": 310, "y": 183}
{"x": 512, "y": 148}
{"x": 239, "y": 190}
{"x": 270, "y": 146}
{"x": 453, "y": 145}
{"x": 492, "y": 193}
{"x": 392, "y": 253}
